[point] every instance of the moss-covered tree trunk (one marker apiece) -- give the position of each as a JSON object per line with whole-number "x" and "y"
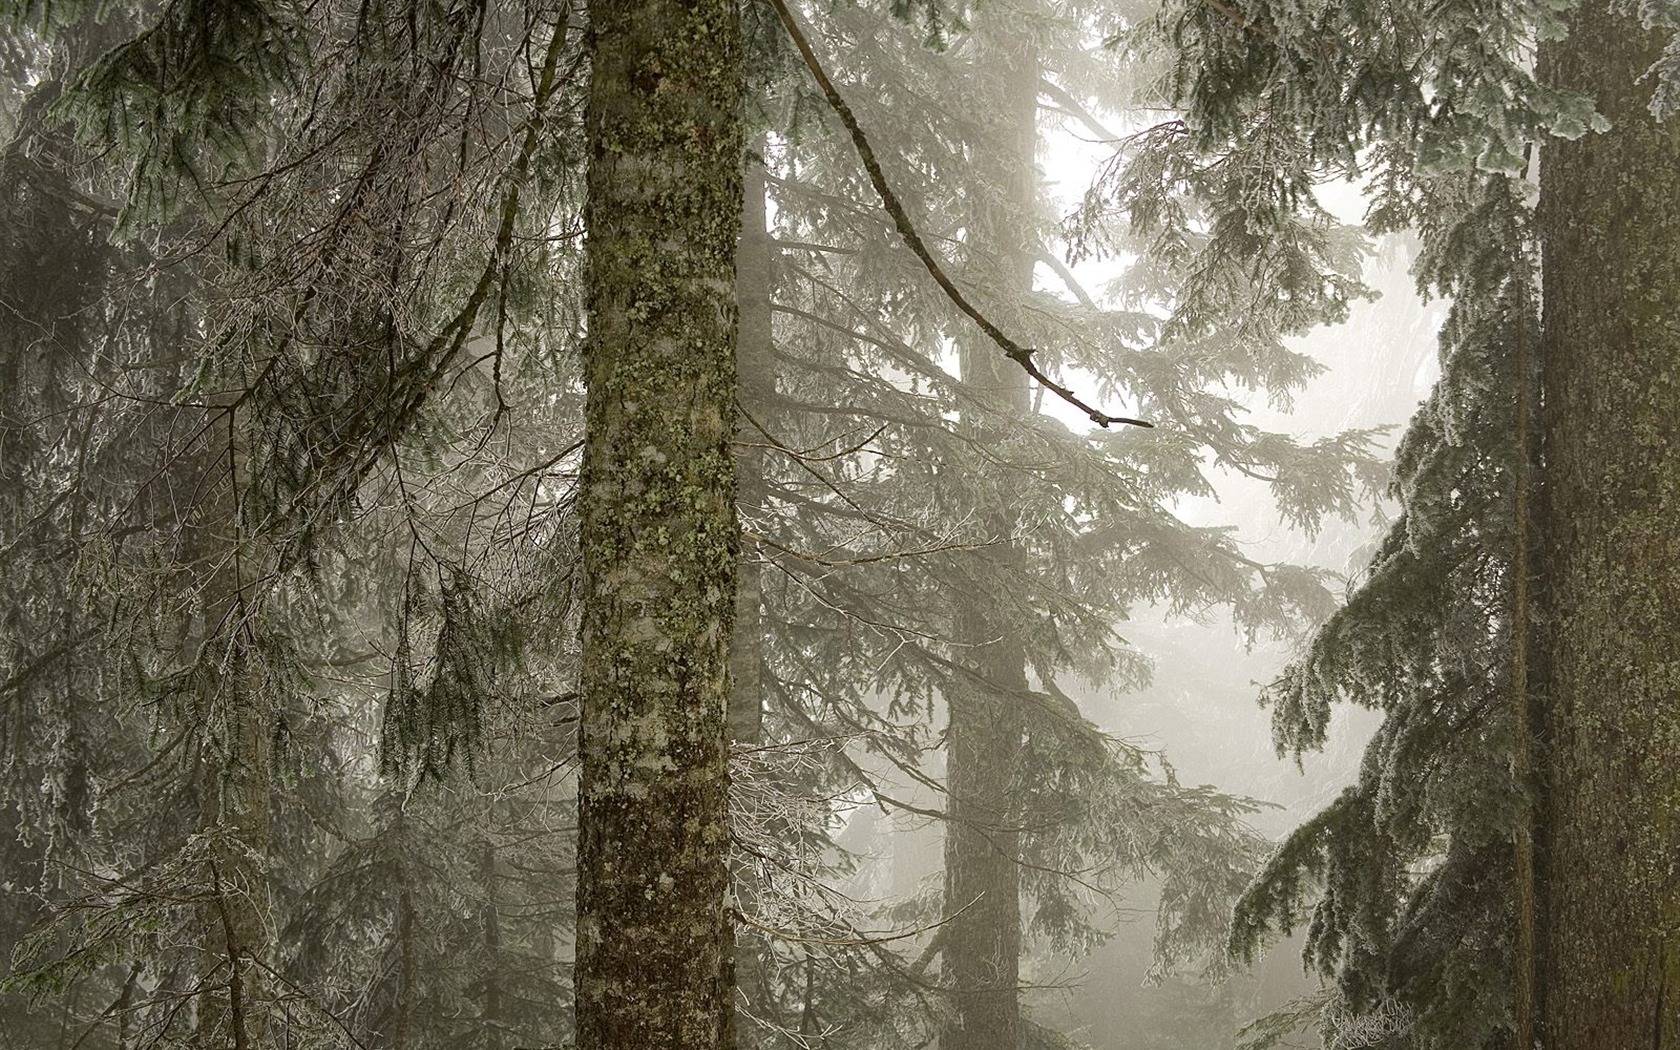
{"x": 982, "y": 941}
{"x": 658, "y": 525}
{"x": 1610, "y": 230}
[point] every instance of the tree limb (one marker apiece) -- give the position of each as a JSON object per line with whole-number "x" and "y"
{"x": 1021, "y": 355}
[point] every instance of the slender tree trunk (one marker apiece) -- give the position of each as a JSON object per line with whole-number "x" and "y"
{"x": 982, "y": 942}
{"x": 236, "y": 777}
{"x": 1525, "y": 685}
{"x": 659, "y": 538}
{"x": 754, "y": 364}
{"x": 233, "y": 1011}
{"x": 492, "y": 919}
{"x": 121, "y": 1008}
{"x": 1610, "y": 231}
{"x": 408, "y": 968}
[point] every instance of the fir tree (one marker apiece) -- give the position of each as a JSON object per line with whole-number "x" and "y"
{"x": 261, "y": 402}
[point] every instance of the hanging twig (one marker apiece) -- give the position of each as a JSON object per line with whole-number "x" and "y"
{"x": 1017, "y": 353}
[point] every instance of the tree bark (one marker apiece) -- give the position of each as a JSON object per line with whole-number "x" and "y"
{"x": 982, "y": 941}
{"x": 491, "y": 916}
{"x": 408, "y": 969}
{"x": 1610, "y": 231}
{"x": 659, "y": 538}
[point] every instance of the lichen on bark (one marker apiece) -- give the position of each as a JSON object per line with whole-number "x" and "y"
{"x": 659, "y": 537}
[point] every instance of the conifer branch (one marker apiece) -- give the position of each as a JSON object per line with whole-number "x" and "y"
{"x": 1076, "y": 109}
{"x": 1235, "y": 17}
{"x": 1017, "y": 353}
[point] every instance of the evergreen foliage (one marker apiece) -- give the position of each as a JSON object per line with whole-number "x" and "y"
{"x": 1407, "y": 883}
{"x": 874, "y": 509}
{"x": 226, "y": 424}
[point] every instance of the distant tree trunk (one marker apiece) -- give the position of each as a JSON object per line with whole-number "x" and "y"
{"x": 754, "y": 364}
{"x": 120, "y": 1009}
{"x": 236, "y": 776}
{"x": 1610, "y": 230}
{"x": 659, "y": 538}
{"x": 492, "y": 919}
{"x": 408, "y": 968}
{"x": 233, "y": 1010}
{"x": 982, "y": 943}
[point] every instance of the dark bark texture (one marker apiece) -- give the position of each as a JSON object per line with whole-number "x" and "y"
{"x": 1610, "y": 230}
{"x": 982, "y": 942}
{"x": 659, "y": 537}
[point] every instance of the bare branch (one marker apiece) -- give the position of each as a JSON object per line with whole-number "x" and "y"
{"x": 1017, "y": 353}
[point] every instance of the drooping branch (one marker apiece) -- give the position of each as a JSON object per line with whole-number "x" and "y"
{"x": 1021, "y": 355}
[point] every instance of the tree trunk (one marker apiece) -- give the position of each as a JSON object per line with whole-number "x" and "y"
{"x": 491, "y": 916}
{"x": 982, "y": 941}
{"x": 236, "y": 776}
{"x": 658, "y": 526}
{"x": 408, "y": 969}
{"x": 1610, "y": 231}
{"x": 754, "y": 363}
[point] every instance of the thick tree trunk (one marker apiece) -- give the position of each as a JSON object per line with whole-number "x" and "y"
{"x": 658, "y": 525}
{"x": 982, "y": 942}
{"x": 1610, "y": 230}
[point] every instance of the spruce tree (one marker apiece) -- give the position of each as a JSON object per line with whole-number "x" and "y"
{"x": 982, "y": 943}
{"x": 883, "y": 517}
{"x": 262, "y": 401}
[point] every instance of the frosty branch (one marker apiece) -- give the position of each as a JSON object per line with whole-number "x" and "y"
{"x": 1017, "y": 353}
